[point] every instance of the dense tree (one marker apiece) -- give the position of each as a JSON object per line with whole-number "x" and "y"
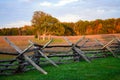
{"x": 117, "y": 25}
{"x": 80, "y": 27}
{"x": 27, "y": 30}
{"x": 89, "y": 30}
{"x": 43, "y": 23}
{"x": 69, "y": 28}
{"x": 97, "y": 26}
{"x": 58, "y": 29}
{"x": 9, "y": 31}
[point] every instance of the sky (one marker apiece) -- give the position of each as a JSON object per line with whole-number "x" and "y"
{"x": 17, "y": 13}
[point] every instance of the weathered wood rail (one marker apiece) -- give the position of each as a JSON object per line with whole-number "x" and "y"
{"x": 87, "y": 51}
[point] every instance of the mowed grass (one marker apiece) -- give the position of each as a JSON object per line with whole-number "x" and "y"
{"x": 100, "y": 69}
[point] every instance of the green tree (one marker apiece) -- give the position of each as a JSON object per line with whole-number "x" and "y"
{"x": 109, "y": 26}
{"x": 80, "y": 27}
{"x": 69, "y": 28}
{"x": 27, "y": 30}
{"x": 43, "y": 22}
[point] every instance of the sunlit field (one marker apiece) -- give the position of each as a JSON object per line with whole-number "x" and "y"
{"x": 59, "y": 39}
{"x": 100, "y": 69}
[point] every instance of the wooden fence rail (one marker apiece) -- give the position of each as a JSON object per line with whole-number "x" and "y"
{"x": 76, "y": 52}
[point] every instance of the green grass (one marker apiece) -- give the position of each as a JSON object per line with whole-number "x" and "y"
{"x": 99, "y": 69}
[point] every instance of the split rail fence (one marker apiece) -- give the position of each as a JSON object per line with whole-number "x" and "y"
{"x": 83, "y": 49}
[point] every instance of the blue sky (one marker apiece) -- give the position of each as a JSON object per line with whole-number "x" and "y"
{"x": 16, "y": 13}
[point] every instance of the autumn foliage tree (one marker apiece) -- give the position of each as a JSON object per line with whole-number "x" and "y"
{"x": 43, "y": 23}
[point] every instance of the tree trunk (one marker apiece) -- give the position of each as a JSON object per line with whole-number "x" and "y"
{"x": 49, "y": 37}
{"x": 44, "y": 36}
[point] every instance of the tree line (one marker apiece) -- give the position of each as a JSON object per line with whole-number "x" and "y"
{"x": 43, "y": 23}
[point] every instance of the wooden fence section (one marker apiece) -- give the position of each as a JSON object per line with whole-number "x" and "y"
{"x": 84, "y": 49}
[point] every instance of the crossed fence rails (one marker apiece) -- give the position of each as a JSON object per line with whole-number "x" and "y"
{"x": 23, "y": 62}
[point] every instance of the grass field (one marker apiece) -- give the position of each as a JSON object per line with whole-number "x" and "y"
{"x": 99, "y": 69}
{"x": 22, "y": 41}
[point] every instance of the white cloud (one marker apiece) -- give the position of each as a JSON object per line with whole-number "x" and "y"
{"x": 64, "y": 2}
{"x": 59, "y": 3}
{"x": 16, "y": 24}
{"x": 86, "y": 14}
{"x": 69, "y": 18}
{"x": 46, "y": 4}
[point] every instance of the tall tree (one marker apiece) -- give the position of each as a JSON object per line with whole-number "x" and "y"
{"x": 43, "y": 22}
